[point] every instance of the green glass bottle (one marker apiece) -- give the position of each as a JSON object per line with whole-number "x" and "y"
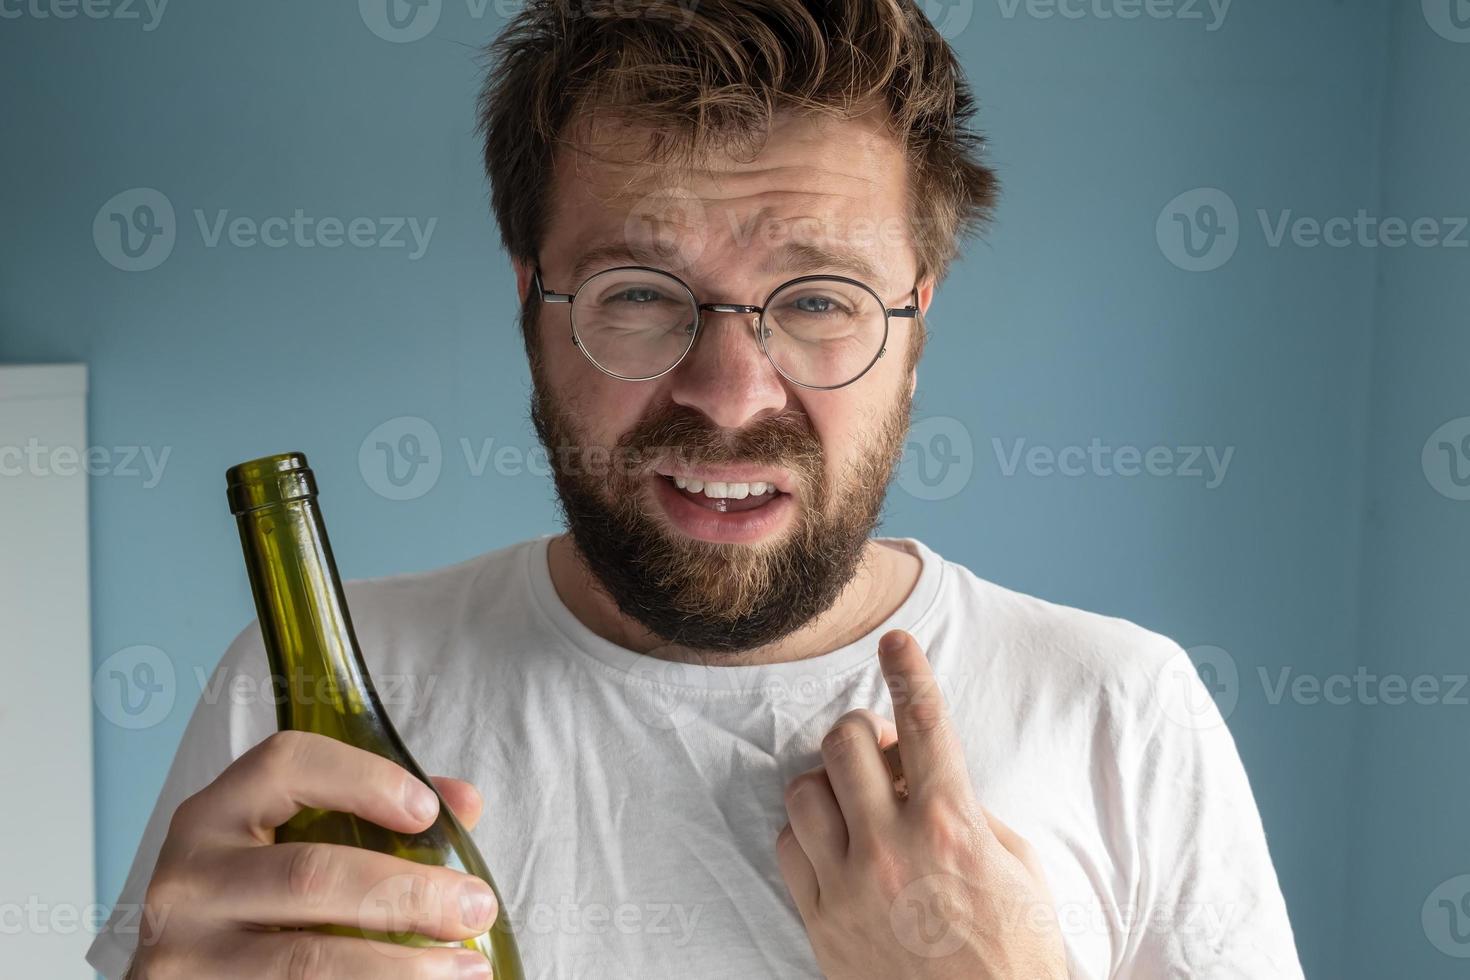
{"x": 321, "y": 683}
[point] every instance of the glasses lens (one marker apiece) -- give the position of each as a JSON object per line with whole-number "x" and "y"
{"x": 824, "y": 332}
{"x": 633, "y": 323}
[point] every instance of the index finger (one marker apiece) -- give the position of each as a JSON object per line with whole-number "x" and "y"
{"x": 290, "y": 771}
{"x": 926, "y": 741}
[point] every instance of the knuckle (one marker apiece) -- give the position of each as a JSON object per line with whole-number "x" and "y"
{"x": 168, "y": 889}
{"x": 160, "y": 893}
{"x": 888, "y": 876}
{"x": 805, "y": 782}
{"x": 843, "y": 739}
{"x": 284, "y": 751}
{"x": 309, "y": 875}
{"x": 422, "y": 899}
{"x": 860, "y": 716}
{"x": 926, "y": 711}
{"x": 188, "y": 813}
{"x": 944, "y": 828}
{"x": 305, "y": 958}
{"x": 181, "y": 815}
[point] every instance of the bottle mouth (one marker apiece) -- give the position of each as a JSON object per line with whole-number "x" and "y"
{"x": 269, "y": 480}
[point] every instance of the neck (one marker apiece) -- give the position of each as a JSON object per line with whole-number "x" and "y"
{"x": 885, "y": 577}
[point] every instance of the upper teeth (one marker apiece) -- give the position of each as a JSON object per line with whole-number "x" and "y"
{"x": 733, "y": 491}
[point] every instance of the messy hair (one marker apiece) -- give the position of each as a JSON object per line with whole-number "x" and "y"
{"x": 708, "y": 75}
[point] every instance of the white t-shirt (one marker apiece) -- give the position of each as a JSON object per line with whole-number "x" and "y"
{"x": 632, "y": 804}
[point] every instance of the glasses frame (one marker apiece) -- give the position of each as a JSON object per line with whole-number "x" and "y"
{"x": 762, "y": 332}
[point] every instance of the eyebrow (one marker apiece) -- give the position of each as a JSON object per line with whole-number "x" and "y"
{"x": 605, "y": 256}
{"x": 795, "y": 258}
{"x": 804, "y": 258}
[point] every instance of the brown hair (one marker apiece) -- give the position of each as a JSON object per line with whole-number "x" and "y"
{"x": 708, "y": 74}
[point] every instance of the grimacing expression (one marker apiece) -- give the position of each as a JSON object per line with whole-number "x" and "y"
{"x": 721, "y": 505}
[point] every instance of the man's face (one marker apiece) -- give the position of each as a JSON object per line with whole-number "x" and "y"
{"x": 740, "y": 568}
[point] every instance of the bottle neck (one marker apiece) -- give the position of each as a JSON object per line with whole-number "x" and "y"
{"x": 318, "y": 677}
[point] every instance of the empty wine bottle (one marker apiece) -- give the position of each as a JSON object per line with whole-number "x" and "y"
{"x": 321, "y": 683}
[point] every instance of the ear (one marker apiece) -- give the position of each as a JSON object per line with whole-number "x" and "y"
{"x": 524, "y": 270}
{"x": 925, "y": 290}
{"x": 925, "y": 296}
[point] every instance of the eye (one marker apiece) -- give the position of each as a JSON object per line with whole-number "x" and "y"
{"x": 637, "y": 295}
{"x": 815, "y": 304}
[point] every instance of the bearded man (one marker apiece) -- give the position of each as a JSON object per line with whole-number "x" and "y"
{"x": 720, "y": 728}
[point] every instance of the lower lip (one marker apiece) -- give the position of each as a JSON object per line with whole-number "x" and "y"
{"x": 738, "y": 527}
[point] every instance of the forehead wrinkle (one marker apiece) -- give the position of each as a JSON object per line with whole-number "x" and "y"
{"x": 806, "y": 175}
{"x": 609, "y": 168}
{"x": 623, "y": 183}
{"x": 737, "y": 218}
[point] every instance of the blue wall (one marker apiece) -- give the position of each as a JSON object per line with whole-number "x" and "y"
{"x": 1412, "y": 831}
{"x": 1072, "y": 322}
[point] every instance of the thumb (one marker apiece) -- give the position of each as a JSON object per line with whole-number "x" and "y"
{"x": 462, "y": 798}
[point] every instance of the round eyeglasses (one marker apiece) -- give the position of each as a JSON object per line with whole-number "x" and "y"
{"x": 637, "y": 323}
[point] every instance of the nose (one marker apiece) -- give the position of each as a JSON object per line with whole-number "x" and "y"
{"x": 727, "y": 376}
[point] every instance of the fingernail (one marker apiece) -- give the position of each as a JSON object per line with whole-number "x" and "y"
{"x": 473, "y": 964}
{"x": 420, "y": 800}
{"x": 891, "y": 642}
{"x": 476, "y": 904}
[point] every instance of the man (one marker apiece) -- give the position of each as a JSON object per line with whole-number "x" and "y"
{"x": 721, "y": 729}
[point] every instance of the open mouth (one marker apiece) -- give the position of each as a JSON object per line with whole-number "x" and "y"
{"x": 726, "y": 511}
{"x": 724, "y": 498}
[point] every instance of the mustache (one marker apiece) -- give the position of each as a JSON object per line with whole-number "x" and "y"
{"x": 673, "y": 433}
{"x": 677, "y": 432}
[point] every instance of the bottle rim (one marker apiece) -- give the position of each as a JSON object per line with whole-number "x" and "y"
{"x": 269, "y": 480}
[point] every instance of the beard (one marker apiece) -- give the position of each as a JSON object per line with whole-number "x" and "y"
{"x": 716, "y": 598}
